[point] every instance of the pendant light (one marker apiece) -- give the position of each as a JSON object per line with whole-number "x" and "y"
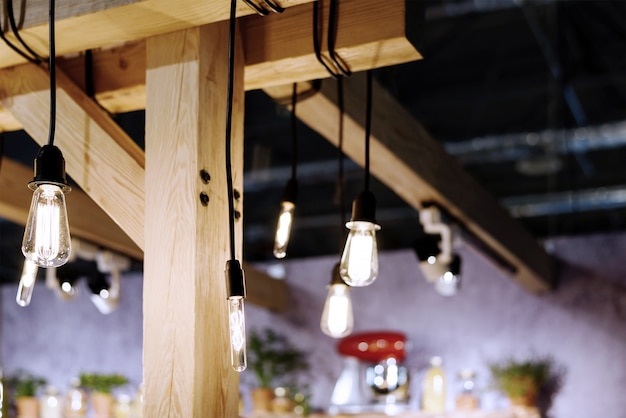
{"x": 288, "y": 204}
{"x": 47, "y": 236}
{"x": 337, "y": 319}
{"x": 27, "y": 283}
{"x": 235, "y": 282}
{"x": 359, "y": 262}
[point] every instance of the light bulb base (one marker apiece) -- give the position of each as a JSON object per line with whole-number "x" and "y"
{"x": 290, "y": 193}
{"x": 50, "y": 169}
{"x": 364, "y": 207}
{"x": 235, "y": 282}
{"x": 336, "y": 276}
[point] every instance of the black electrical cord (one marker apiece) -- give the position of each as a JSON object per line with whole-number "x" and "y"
{"x": 256, "y": 8}
{"x": 273, "y": 6}
{"x": 36, "y": 57}
{"x": 332, "y": 37}
{"x": 316, "y": 40}
{"x": 229, "y": 118}
{"x": 90, "y": 88}
{"x": 294, "y": 136}
{"x": 15, "y": 48}
{"x": 368, "y": 125}
{"x": 1, "y": 149}
{"x": 53, "y": 77}
{"x": 340, "y": 168}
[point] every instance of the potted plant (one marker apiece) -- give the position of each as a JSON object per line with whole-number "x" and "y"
{"x": 24, "y": 387}
{"x": 275, "y": 363}
{"x": 100, "y": 387}
{"x": 522, "y": 381}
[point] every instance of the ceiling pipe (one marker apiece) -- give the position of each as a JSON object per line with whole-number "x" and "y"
{"x": 510, "y": 147}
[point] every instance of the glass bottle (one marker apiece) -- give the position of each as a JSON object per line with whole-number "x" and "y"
{"x": 434, "y": 387}
{"x": 466, "y": 399}
{"x": 75, "y": 401}
{"x": 51, "y": 405}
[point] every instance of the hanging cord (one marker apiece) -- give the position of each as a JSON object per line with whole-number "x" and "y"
{"x": 13, "y": 47}
{"x": 53, "y": 75}
{"x": 36, "y": 57}
{"x": 90, "y": 88}
{"x": 294, "y": 136}
{"x": 1, "y": 150}
{"x": 332, "y": 37}
{"x": 274, "y": 7}
{"x": 368, "y": 124}
{"x": 229, "y": 118}
{"x": 316, "y": 40}
{"x": 340, "y": 169}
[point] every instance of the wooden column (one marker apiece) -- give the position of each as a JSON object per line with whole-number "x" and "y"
{"x": 187, "y": 370}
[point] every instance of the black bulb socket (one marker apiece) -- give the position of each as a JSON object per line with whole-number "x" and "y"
{"x": 336, "y": 277}
{"x": 235, "y": 283}
{"x": 364, "y": 207}
{"x": 290, "y": 193}
{"x": 50, "y": 169}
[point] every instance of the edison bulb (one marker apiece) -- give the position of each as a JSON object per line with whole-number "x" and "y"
{"x": 27, "y": 283}
{"x": 47, "y": 235}
{"x": 237, "y": 327}
{"x": 359, "y": 261}
{"x": 283, "y": 228}
{"x": 448, "y": 284}
{"x": 337, "y": 318}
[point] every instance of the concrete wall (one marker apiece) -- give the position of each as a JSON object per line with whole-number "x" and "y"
{"x": 582, "y": 325}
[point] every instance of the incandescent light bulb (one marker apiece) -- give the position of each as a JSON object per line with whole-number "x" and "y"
{"x": 47, "y": 236}
{"x": 237, "y": 327}
{"x": 337, "y": 317}
{"x": 236, "y": 316}
{"x": 283, "y": 228}
{"x": 27, "y": 283}
{"x": 359, "y": 261}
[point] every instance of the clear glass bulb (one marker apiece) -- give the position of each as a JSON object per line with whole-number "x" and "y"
{"x": 237, "y": 327}
{"x": 27, "y": 283}
{"x": 448, "y": 284}
{"x": 359, "y": 261}
{"x": 283, "y": 228}
{"x": 47, "y": 234}
{"x": 337, "y": 318}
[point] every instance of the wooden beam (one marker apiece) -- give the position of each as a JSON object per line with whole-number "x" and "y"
{"x": 99, "y": 156}
{"x": 371, "y": 34}
{"x": 417, "y": 168}
{"x": 87, "y": 220}
{"x": 279, "y": 50}
{"x": 95, "y": 24}
{"x": 185, "y": 310}
{"x": 104, "y": 162}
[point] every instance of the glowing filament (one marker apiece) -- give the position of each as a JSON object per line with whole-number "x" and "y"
{"x": 47, "y": 237}
{"x": 237, "y": 327}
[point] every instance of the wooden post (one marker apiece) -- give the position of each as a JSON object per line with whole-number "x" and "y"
{"x": 187, "y": 370}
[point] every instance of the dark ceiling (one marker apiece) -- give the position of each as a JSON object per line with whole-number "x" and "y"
{"x": 529, "y": 96}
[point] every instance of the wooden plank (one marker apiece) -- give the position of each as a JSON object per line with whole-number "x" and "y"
{"x": 92, "y": 26}
{"x": 87, "y": 220}
{"x": 417, "y": 168}
{"x": 185, "y": 311}
{"x": 279, "y": 50}
{"x": 99, "y": 156}
{"x": 371, "y": 34}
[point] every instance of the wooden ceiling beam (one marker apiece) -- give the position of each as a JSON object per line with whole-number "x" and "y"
{"x": 92, "y": 24}
{"x": 88, "y": 221}
{"x": 102, "y": 160}
{"x": 411, "y": 163}
{"x": 279, "y": 50}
